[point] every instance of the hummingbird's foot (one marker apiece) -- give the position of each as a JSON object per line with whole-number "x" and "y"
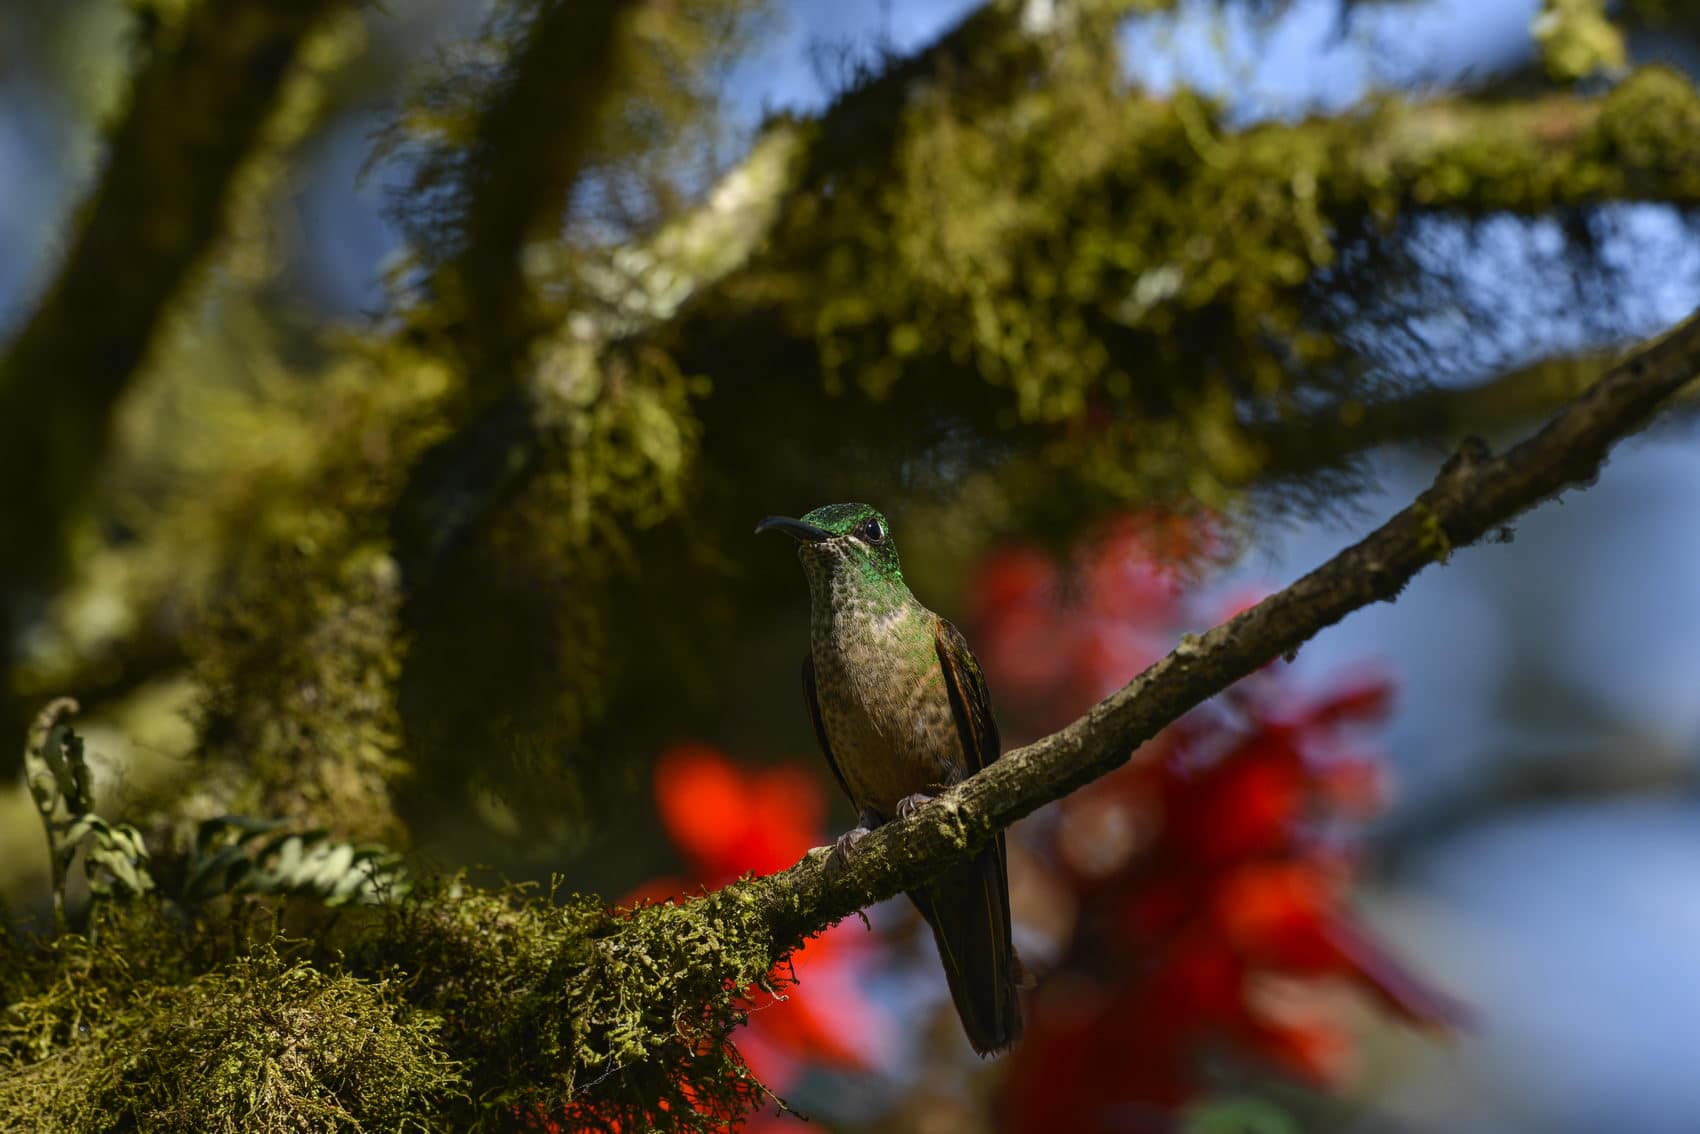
{"x": 907, "y": 805}
{"x": 844, "y": 846}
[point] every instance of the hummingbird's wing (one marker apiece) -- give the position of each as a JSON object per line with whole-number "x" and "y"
{"x": 968, "y": 905}
{"x": 812, "y": 699}
{"x": 970, "y": 703}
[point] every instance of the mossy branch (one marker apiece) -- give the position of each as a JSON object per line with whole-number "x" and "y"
{"x": 995, "y": 50}
{"x": 195, "y": 114}
{"x": 1475, "y": 493}
{"x": 530, "y": 144}
{"x": 776, "y": 308}
{"x": 197, "y": 109}
{"x": 1322, "y": 176}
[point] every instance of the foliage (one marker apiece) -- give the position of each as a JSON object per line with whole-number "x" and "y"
{"x": 234, "y": 855}
{"x": 115, "y": 860}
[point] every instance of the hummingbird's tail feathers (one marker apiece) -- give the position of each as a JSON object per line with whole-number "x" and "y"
{"x": 968, "y": 910}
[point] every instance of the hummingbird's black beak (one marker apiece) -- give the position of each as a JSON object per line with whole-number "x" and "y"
{"x": 796, "y": 529}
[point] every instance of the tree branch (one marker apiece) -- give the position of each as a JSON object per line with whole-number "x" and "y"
{"x": 197, "y": 111}
{"x": 749, "y": 318}
{"x": 1474, "y": 494}
{"x": 462, "y": 481}
{"x": 531, "y": 144}
{"x": 195, "y": 114}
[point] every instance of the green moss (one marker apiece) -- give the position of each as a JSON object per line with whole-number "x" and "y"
{"x": 462, "y": 1007}
{"x": 300, "y": 668}
{"x": 259, "y": 1044}
{"x": 1432, "y": 532}
{"x": 1648, "y": 134}
{"x": 1577, "y": 40}
{"x": 614, "y": 1019}
{"x": 1071, "y": 248}
{"x": 301, "y": 650}
{"x": 1133, "y": 279}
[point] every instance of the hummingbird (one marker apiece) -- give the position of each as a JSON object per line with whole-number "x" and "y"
{"x": 901, "y": 712}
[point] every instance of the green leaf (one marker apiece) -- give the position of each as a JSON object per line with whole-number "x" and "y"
{"x": 252, "y": 856}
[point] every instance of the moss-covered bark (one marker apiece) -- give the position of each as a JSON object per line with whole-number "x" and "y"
{"x": 458, "y": 1009}
{"x": 196, "y": 114}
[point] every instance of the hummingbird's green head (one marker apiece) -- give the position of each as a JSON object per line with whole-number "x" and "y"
{"x": 846, "y": 541}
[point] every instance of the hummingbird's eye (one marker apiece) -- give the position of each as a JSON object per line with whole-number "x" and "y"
{"x": 871, "y": 530}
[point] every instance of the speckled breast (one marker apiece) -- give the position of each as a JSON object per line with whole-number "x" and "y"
{"x": 884, "y": 705}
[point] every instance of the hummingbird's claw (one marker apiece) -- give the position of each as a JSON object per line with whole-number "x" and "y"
{"x": 844, "y": 846}
{"x": 907, "y": 805}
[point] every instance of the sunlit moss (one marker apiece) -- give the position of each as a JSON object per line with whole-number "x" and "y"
{"x": 1577, "y": 39}
{"x": 1637, "y": 127}
{"x": 461, "y": 1008}
{"x": 1071, "y": 247}
{"x": 1107, "y": 258}
{"x": 126, "y": 1033}
{"x": 302, "y": 646}
{"x": 621, "y": 1020}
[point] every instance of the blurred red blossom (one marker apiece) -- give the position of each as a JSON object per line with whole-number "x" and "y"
{"x": 727, "y": 820}
{"x": 1057, "y": 641}
{"x": 1210, "y": 876}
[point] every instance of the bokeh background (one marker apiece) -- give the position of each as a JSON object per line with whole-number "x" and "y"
{"x": 1460, "y": 887}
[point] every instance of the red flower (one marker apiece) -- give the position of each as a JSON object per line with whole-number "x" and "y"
{"x": 1211, "y": 889}
{"x": 728, "y": 821}
{"x": 1054, "y": 658}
